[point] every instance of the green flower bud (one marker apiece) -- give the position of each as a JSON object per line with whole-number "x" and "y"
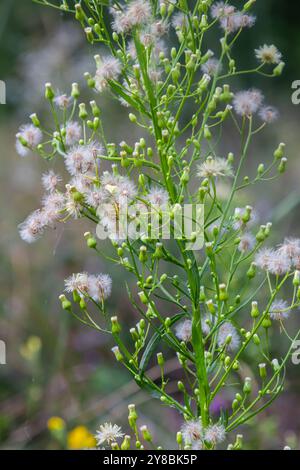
{"x": 117, "y": 353}
{"x": 279, "y": 152}
{"x": 132, "y": 117}
{"x": 65, "y": 303}
{"x": 160, "y": 359}
{"x": 247, "y": 385}
{"x": 256, "y": 340}
{"x": 89, "y": 34}
{"x": 223, "y": 295}
{"x": 262, "y": 371}
{"x": 278, "y": 70}
{"x": 115, "y": 326}
{"x": 254, "y": 310}
{"x": 145, "y": 433}
{"x": 35, "y": 120}
{"x": 267, "y": 323}
{"x": 75, "y": 93}
{"x": 296, "y": 280}
{"x": 126, "y": 443}
{"x": 282, "y": 165}
{"x": 49, "y": 93}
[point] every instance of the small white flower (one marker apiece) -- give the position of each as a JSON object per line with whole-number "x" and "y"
{"x": 108, "y": 433}
{"x": 268, "y": 54}
{"x": 213, "y": 167}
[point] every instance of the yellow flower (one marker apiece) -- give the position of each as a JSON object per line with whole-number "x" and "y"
{"x": 55, "y": 423}
{"x": 80, "y": 438}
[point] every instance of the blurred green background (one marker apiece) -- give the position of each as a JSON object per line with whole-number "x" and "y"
{"x": 54, "y": 365}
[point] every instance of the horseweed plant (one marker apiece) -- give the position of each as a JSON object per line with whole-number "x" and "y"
{"x": 214, "y": 308}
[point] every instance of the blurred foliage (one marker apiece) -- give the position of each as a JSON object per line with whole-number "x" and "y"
{"x": 56, "y": 367}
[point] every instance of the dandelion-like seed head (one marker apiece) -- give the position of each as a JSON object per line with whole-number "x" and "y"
{"x": 63, "y": 101}
{"x": 80, "y": 160}
{"x": 31, "y": 135}
{"x": 158, "y": 197}
{"x": 215, "y": 434}
{"x": 100, "y": 287}
{"x": 279, "y": 264}
{"x": 291, "y": 249}
{"x": 33, "y": 227}
{"x": 192, "y": 432}
{"x": 235, "y": 21}
{"x": 246, "y": 103}
{"x": 247, "y": 242}
{"x": 263, "y": 258}
{"x": 226, "y": 330}
{"x": 220, "y": 9}
{"x": 50, "y": 181}
{"x": 279, "y": 310}
{"x": 73, "y": 133}
{"x": 139, "y": 11}
{"x": 184, "y": 331}
{"x": 211, "y": 67}
{"x": 179, "y": 21}
{"x": 268, "y": 114}
{"x": 79, "y": 282}
{"x": 108, "y": 68}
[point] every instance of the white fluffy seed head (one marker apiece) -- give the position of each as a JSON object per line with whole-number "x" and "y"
{"x": 247, "y": 242}
{"x": 33, "y": 227}
{"x": 192, "y": 432}
{"x": 50, "y": 181}
{"x": 184, "y": 331}
{"x": 73, "y": 133}
{"x": 226, "y": 330}
{"x": 268, "y": 114}
{"x": 246, "y": 103}
{"x": 33, "y": 137}
{"x": 280, "y": 310}
{"x": 158, "y": 197}
{"x": 108, "y": 68}
{"x": 215, "y": 434}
